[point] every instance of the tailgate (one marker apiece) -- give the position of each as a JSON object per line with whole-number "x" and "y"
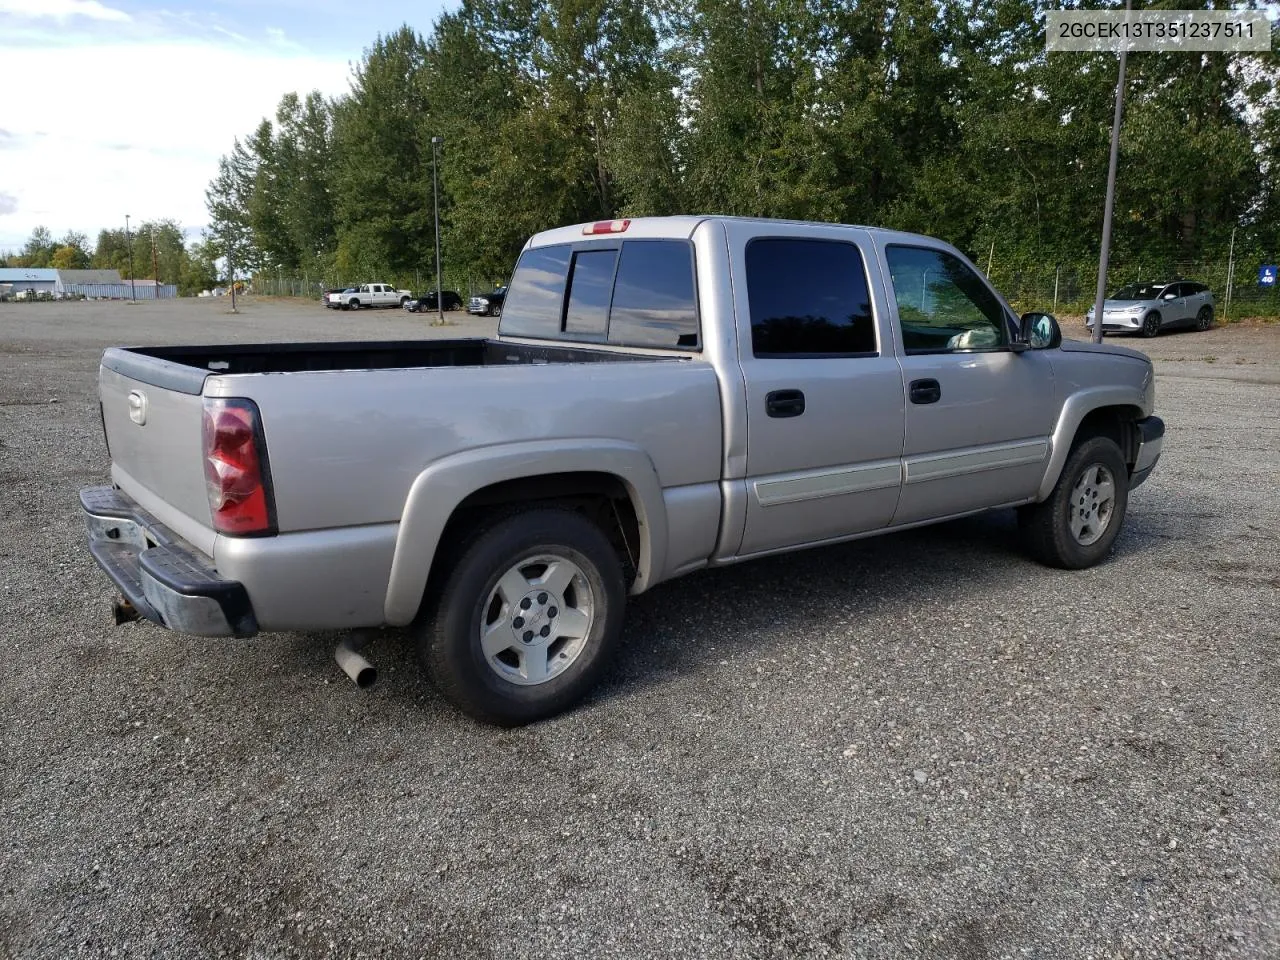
{"x": 161, "y": 457}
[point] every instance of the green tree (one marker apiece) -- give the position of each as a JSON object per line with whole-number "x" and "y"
{"x": 382, "y": 177}
{"x": 38, "y": 250}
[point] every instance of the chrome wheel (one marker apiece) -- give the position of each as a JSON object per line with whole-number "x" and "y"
{"x": 537, "y": 619}
{"x": 1092, "y": 504}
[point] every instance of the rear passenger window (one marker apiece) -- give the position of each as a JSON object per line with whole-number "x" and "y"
{"x": 808, "y": 298}
{"x": 653, "y": 299}
{"x": 536, "y": 296}
{"x": 589, "y": 287}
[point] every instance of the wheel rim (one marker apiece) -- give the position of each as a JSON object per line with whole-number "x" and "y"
{"x": 1151, "y": 326}
{"x": 1205, "y": 318}
{"x": 1093, "y": 502}
{"x": 537, "y": 619}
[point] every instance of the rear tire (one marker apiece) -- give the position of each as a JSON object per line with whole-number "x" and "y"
{"x": 526, "y": 618}
{"x": 1204, "y": 319}
{"x": 1151, "y": 325}
{"x": 403, "y": 301}
{"x": 1077, "y": 525}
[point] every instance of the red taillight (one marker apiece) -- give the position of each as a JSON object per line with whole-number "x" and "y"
{"x": 235, "y": 468}
{"x": 605, "y": 226}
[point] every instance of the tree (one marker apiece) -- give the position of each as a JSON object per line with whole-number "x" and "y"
{"x": 229, "y": 235}
{"x": 38, "y": 250}
{"x": 382, "y": 178}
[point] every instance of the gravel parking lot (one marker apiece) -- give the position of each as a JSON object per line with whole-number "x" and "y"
{"x": 920, "y": 745}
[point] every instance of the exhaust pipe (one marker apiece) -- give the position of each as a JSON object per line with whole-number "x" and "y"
{"x": 363, "y": 673}
{"x": 122, "y": 611}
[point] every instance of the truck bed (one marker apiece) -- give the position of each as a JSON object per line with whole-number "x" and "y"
{"x": 185, "y": 368}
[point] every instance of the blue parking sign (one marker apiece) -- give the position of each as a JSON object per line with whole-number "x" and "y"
{"x": 1267, "y": 275}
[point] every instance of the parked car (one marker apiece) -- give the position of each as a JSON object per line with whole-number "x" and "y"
{"x": 337, "y": 299}
{"x": 451, "y": 299}
{"x": 488, "y": 304}
{"x": 1148, "y": 308}
{"x": 369, "y": 295}
{"x": 663, "y": 395}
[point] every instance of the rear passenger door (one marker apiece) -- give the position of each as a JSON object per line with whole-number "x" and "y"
{"x": 1189, "y": 301}
{"x": 824, "y": 391}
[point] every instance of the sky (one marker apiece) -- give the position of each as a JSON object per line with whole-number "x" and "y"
{"x": 115, "y": 107}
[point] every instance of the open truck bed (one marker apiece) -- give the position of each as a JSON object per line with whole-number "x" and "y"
{"x": 185, "y": 368}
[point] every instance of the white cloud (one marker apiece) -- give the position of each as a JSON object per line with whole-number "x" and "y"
{"x": 151, "y": 155}
{"x": 63, "y": 10}
{"x": 8, "y": 203}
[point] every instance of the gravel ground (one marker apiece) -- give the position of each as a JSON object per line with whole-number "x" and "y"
{"x": 920, "y": 745}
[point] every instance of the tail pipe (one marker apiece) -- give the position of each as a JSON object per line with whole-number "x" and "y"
{"x": 363, "y": 673}
{"x": 122, "y": 611}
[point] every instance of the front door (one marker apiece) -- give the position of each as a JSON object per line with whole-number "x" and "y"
{"x": 824, "y": 391}
{"x": 978, "y": 415}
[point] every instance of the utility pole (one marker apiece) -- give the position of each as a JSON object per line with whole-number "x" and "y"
{"x": 1105, "y": 254}
{"x": 155, "y": 262}
{"x": 435, "y": 192}
{"x": 1231, "y": 270}
{"x": 231, "y": 269}
{"x": 128, "y": 242}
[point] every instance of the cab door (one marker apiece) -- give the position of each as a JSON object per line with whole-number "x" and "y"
{"x": 1173, "y": 305}
{"x": 978, "y": 414}
{"x": 823, "y": 388}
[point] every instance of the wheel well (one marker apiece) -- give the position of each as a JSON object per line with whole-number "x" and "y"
{"x": 602, "y": 498}
{"x": 1119, "y": 424}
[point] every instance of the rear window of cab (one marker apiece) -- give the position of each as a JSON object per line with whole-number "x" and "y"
{"x": 636, "y": 293}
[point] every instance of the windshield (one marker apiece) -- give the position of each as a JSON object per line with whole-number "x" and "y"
{"x": 1138, "y": 291}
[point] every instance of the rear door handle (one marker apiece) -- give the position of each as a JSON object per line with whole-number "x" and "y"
{"x": 925, "y": 391}
{"x": 784, "y": 403}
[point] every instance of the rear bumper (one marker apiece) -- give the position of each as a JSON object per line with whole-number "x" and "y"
{"x": 1150, "y": 443}
{"x": 166, "y": 579}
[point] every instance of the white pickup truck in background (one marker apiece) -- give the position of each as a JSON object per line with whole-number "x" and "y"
{"x": 368, "y": 295}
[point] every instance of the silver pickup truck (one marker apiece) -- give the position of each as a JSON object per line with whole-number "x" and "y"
{"x": 664, "y": 395}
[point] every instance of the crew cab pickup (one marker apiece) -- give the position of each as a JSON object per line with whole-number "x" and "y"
{"x": 663, "y": 395}
{"x": 368, "y": 295}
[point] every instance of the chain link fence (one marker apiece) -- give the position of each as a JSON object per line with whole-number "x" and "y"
{"x": 1063, "y": 289}
{"x": 312, "y": 288}
{"x": 1069, "y": 289}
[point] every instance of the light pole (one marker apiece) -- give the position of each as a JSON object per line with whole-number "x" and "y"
{"x": 1105, "y": 255}
{"x": 128, "y": 242}
{"x": 435, "y": 192}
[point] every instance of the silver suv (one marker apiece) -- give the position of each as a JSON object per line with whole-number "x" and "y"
{"x": 1148, "y": 308}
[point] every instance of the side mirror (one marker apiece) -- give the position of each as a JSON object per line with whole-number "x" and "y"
{"x": 1040, "y": 331}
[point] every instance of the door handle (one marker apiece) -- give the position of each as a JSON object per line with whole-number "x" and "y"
{"x": 925, "y": 391}
{"x": 784, "y": 403}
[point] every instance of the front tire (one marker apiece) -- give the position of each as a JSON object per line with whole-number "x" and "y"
{"x": 527, "y": 617}
{"x": 354, "y": 304}
{"x": 403, "y": 301}
{"x": 1077, "y": 525}
{"x": 1204, "y": 319}
{"x": 1150, "y": 325}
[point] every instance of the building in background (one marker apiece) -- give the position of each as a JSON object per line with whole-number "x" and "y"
{"x": 30, "y": 281}
{"x": 24, "y": 282}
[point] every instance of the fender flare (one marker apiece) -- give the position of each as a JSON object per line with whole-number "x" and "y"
{"x": 1078, "y": 406}
{"x": 437, "y": 491}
